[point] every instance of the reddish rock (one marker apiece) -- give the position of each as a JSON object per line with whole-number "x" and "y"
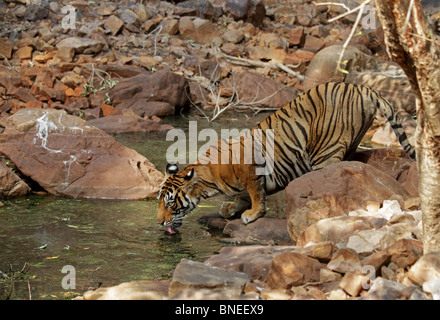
{"x": 10, "y": 184}
{"x": 198, "y": 30}
{"x": 254, "y": 260}
{"x": 6, "y": 47}
{"x": 411, "y": 183}
{"x": 24, "y": 52}
{"x": 404, "y": 253}
{"x": 296, "y": 36}
{"x": 67, "y": 156}
{"x": 313, "y": 44}
{"x": 292, "y": 269}
{"x": 336, "y": 190}
{"x": 298, "y": 57}
{"x": 162, "y": 93}
{"x": 263, "y": 231}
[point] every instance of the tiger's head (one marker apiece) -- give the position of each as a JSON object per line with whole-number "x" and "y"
{"x": 176, "y": 197}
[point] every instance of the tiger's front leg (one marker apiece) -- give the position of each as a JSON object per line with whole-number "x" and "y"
{"x": 257, "y": 194}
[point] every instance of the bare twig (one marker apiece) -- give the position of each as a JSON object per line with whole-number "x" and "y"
{"x": 405, "y": 26}
{"x": 360, "y": 10}
{"x": 261, "y": 64}
{"x": 9, "y": 67}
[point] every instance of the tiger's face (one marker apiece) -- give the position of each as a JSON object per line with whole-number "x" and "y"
{"x": 175, "y": 197}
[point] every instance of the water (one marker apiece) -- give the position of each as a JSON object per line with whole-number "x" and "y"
{"x": 106, "y": 241}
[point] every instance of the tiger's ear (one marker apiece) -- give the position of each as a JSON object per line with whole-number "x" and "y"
{"x": 172, "y": 168}
{"x": 189, "y": 175}
{"x": 190, "y": 179}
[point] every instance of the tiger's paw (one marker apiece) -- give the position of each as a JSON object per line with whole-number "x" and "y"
{"x": 251, "y": 215}
{"x": 227, "y": 209}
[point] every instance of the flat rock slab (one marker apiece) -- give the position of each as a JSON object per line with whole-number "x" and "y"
{"x": 193, "y": 274}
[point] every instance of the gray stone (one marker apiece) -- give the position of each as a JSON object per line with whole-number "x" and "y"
{"x": 193, "y": 274}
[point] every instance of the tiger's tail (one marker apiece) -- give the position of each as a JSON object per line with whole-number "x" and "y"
{"x": 387, "y": 110}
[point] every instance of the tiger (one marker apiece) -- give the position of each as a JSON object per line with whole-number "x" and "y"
{"x": 320, "y": 127}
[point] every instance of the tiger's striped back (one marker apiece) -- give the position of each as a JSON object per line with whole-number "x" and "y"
{"x": 323, "y": 126}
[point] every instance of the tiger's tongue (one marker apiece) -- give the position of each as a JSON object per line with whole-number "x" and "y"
{"x": 170, "y": 230}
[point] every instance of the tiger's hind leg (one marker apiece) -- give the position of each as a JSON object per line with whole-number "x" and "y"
{"x": 236, "y": 207}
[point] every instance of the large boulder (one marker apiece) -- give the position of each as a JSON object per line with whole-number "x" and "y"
{"x": 336, "y": 190}
{"x": 322, "y": 68}
{"x": 162, "y": 93}
{"x": 67, "y": 156}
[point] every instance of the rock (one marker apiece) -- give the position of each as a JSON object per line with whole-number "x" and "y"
{"x": 213, "y": 221}
{"x": 335, "y": 190}
{"x": 170, "y": 26}
{"x": 192, "y": 274}
{"x": 114, "y": 24}
{"x": 345, "y": 260}
{"x": 383, "y": 289}
{"x": 246, "y": 10}
{"x": 306, "y": 14}
{"x": 135, "y": 290}
{"x": 321, "y": 251}
{"x": 6, "y": 47}
{"x": 67, "y": 156}
{"x": 10, "y": 184}
{"x": 258, "y": 91}
{"x": 292, "y": 269}
{"x": 298, "y": 57}
{"x": 233, "y": 36}
{"x": 24, "y": 52}
{"x": 296, "y": 36}
{"x": 433, "y": 287}
{"x": 121, "y": 124}
{"x": 129, "y": 17}
{"x": 411, "y": 183}
{"x": 254, "y": 260}
{"x": 81, "y": 45}
{"x": 337, "y": 229}
{"x": 162, "y": 93}
{"x": 313, "y": 44}
{"x": 427, "y": 268}
{"x": 198, "y": 30}
{"x": 352, "y": 283}
{"x": 323, "y": 65}
{"x": 263, "y": 231}
{"x": 404, "y": 253}
{"x": 365, "y": 242}
{"x": 206, "y": 294}
{"x": 35, "y": 12}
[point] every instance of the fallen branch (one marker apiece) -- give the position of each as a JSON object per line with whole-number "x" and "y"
{"x": 260, "y": 64}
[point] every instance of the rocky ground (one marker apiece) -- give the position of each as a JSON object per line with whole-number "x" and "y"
{"x": 73, "y": 71}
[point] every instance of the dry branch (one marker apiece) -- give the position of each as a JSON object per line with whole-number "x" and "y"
{"x": 260, "y": 64}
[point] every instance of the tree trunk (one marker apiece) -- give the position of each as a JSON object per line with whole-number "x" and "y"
{"x": 415, "y": 49}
